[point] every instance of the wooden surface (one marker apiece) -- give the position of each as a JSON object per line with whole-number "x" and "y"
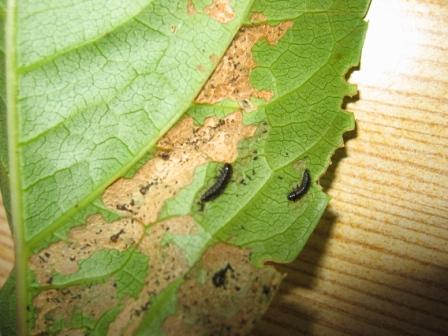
{"x": 378, "y": 262}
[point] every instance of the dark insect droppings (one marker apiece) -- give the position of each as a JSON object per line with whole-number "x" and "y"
{"x": 219, "y": 278}
{"x": 114, "y": 237}
{"x": 221, "y": 182}
{"x": 301, "y": 189}
{"x": 266, "y": 290}
{"x": 164, "y": 155}
{"x": 123, "y": 207}
{"x": 144, "y": 189}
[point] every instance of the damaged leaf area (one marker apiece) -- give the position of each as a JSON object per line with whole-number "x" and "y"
{"x": 223, "y": 294}
{"x": 220, "y": 10}
{"x": 156, "y": 152}
{"x": 180, "y": 152}
{"x": 231, "y": 78}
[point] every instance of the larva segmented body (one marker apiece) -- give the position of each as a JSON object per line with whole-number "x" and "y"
{"x": 221, "y": 182}
{"x": 301, "y": 189}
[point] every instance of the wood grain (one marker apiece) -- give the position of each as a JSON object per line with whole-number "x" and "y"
{"x": 378, "y": 262}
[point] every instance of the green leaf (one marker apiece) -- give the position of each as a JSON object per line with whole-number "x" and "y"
{"x": 116, "y": 117}
{"x": 8, "y": 306}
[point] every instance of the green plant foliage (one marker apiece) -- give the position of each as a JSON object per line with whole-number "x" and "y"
{"x": 89, "y": 88}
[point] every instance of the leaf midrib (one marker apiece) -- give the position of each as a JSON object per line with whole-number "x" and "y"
{"x": 14, "y": 166}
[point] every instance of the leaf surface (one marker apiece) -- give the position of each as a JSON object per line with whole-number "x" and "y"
{"x": 118, "y": 117}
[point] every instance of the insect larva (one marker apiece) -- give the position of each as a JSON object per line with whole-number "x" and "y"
{"x": 301, "y": 189}
{"x": 221, "y": 182}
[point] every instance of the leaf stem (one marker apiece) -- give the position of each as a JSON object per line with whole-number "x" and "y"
{"x": 14, "y": 166}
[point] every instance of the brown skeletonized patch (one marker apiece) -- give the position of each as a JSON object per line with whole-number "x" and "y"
{"x": 181, "y": 151}
{"x": 166, "y": 263}
{"x": 258, "y": 17}
{"x": 64, "y": 256}
{"x": 220, "y": 10}
{"x": 224, "y": 295}
{"x": 61, "y": 304}
{"x": 231, "y": 77}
